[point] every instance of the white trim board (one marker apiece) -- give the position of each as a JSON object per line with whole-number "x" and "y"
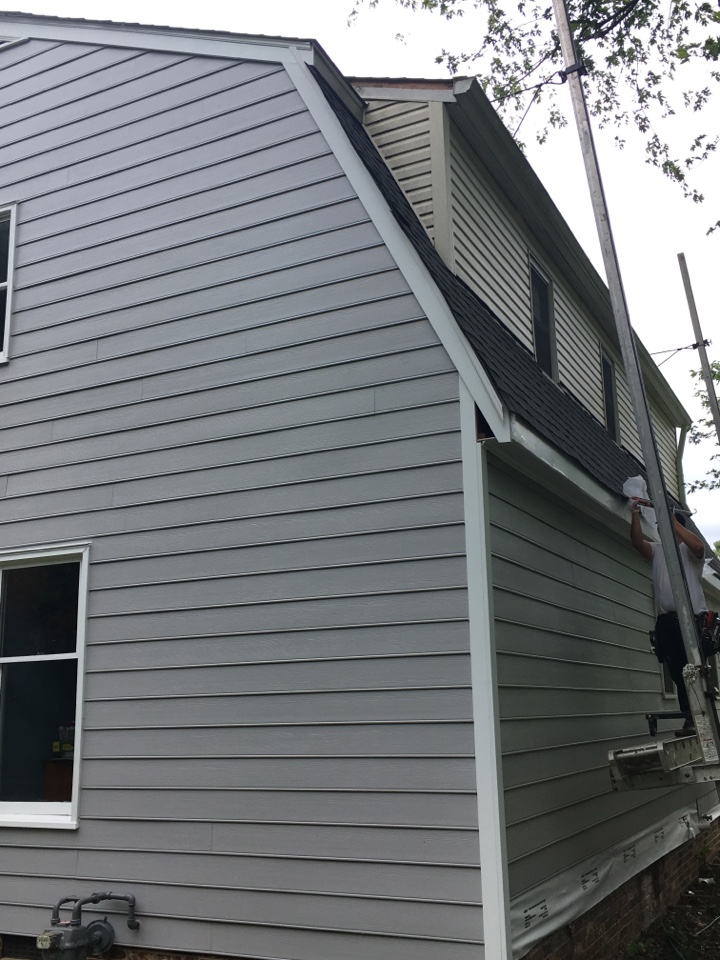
{"x": 162, "y": 39}
{"x": 416, "y": 274}
{"x": 486, "y": 713}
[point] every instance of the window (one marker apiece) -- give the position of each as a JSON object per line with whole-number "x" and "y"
{"x": 609, "y": 395}
{"x": 42, "y": 614}
{"x": 7, "y": 244}
{"x": 542, "y": 317}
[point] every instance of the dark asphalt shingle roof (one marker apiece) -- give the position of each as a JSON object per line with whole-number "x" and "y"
{"x": 527, "y": 391}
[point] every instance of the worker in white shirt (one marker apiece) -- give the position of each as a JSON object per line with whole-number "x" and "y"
{"x": 669, "y": 644}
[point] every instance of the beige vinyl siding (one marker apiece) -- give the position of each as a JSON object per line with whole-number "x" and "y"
{"x": 491, "y": 254}
{"x": 578, "y": 353}
{"x": 576, "y": 677}
{"x": 220, "y": 379}
{"x": 666, "y": 437}
{"x": 401, "y": 132}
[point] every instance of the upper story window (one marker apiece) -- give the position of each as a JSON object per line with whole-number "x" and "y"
{"x": 543, "y": 324}
{"x": 7, "y": 237}
{"x": 609, "y": 396}
{"x": 42, "y": 614}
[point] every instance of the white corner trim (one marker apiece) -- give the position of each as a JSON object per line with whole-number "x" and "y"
{"x": 406, "y": 257}
{"x": 486, "y": 717}
{"x": 163, "y": 39}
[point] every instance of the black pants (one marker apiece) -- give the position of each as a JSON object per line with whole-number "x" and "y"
{"x": 671, "y": 650}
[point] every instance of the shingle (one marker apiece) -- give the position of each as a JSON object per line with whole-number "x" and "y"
{"x": 526, "y": 390}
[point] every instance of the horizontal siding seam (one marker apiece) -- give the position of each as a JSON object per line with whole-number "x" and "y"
{"x": 267, "y": 145}
{"x": 238, "y": 575}
{"x": 342, "y": 895}
{"x": 236, "y": 254}
{"x": 209, "y": 388}
{"x": 282, "y": 268}
{"x": 234, "y": 231}
{"x": 271, "y": 662}
{"x": 238, "y": 229}
{"x": 238, "y": 604}
{"x": 85, "y": 117}
{"x": 281, "y": 690}
{"x": 183, "y": 127}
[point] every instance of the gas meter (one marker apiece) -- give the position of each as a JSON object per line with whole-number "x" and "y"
{"x": 70, "y": 940}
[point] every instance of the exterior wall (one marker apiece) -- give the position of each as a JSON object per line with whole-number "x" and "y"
{"x": 220, "y": 379}
{"x": 492, "y": 254}
{"x": 401, "y": 132}
{"x": 572, "y": 607}
{"x": 665, "y": 434}
{"x": 492, "y": 251}
{"x": 628, "y": 912}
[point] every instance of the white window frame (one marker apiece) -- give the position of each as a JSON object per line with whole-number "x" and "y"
{"x": 63, "y": 815}
{"x": 8, "y": 213}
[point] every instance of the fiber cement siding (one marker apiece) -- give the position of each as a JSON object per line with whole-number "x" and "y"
{"x": 220, "y": 379}
{"x": 573, "y": 606}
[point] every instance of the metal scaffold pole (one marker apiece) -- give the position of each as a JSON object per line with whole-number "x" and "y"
{"x": 702, "y": 709}
{"x": 704, "y": 362}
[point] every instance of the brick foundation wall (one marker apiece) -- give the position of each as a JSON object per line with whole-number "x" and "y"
{"x": 607, "y": 928}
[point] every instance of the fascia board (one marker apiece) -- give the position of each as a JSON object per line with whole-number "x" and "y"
{"x": 400, "y": 93}
{"x": 523, "y": 190}
{"x": 162, "y": 39}
{"x": 403, "y": 252}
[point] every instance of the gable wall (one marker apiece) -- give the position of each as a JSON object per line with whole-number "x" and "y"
{"x": 573, "y": 606}
{"x": 220, "y": 379}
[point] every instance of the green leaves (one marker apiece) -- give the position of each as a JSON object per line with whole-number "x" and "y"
{"x": 632, "y": 51}
{"x": 705, "y": 430}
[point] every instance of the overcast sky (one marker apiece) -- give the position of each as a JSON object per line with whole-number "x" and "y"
{"x": 651, "y": 219}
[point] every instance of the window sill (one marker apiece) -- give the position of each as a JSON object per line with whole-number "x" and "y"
{"x": 52, "y": 817}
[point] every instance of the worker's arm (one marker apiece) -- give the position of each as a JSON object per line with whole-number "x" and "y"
{"x": 691, "y": 540}
{"x": 636, "y": 538}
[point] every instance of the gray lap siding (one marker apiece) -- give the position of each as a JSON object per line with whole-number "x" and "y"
{"x": 221, "y": 380}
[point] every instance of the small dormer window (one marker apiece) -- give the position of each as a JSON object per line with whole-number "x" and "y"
{"x": 542, "y": 318}
{"x": 609, "y": 395}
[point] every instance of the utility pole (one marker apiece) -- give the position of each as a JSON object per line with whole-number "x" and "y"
{"x": 700, "y": 344}
{"x": 703, "y": 711}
